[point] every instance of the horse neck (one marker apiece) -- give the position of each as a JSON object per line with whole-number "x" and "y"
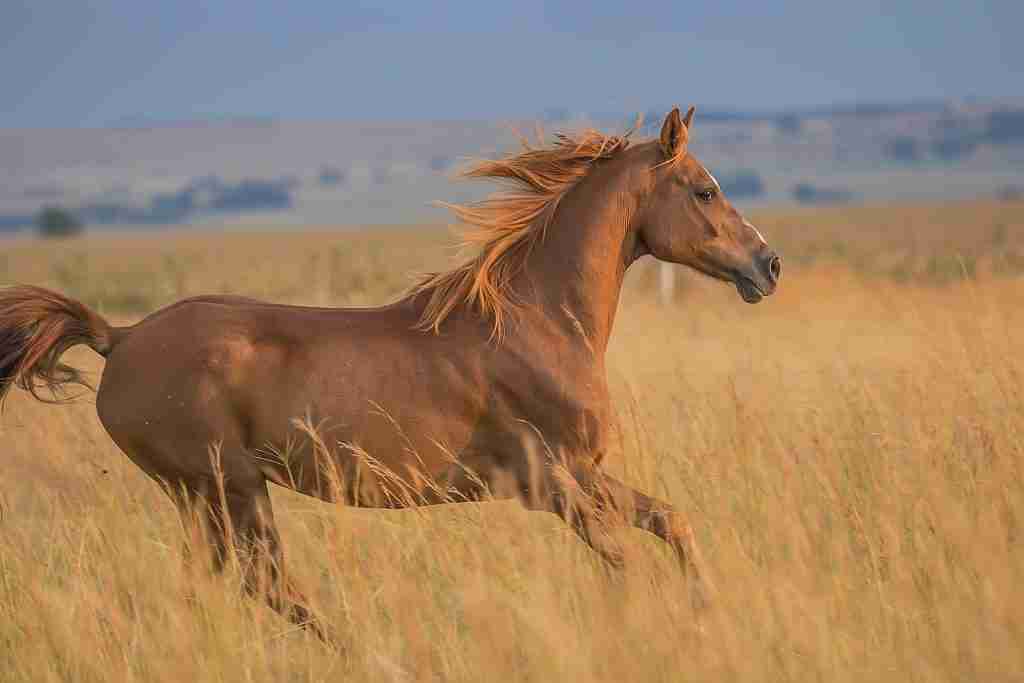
{"x": 574, "y": 275}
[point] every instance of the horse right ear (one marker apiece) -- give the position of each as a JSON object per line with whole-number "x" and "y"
{"x": 674, "y": 135}
{"x": 688, "y": 119}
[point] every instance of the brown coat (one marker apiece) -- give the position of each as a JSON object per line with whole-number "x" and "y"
{"x": 487, "y": 380}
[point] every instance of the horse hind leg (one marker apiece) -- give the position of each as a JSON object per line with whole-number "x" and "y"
{"x": 239, "y": 525}
{"x": 195, "y": 450}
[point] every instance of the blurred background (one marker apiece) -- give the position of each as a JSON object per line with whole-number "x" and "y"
{"x": 123, "y": 115}
{"x": 849, "y": 452}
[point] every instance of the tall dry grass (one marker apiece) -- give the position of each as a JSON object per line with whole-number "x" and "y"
{"x": 851, "y": 453}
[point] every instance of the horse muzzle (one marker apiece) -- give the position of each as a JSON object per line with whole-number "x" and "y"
{"x": 761, "y": 279}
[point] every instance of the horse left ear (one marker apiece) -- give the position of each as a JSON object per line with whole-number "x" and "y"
{"x": 674, "y": 134}
{"x": 689, "y": 117}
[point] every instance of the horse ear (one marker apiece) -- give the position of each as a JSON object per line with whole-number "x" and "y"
{"x": 673, "y": 134}
{"x": 689, "y": 117}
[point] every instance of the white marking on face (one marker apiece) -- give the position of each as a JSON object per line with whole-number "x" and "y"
{"x": 714, "y": 180}
{"x": 756, "y": 231}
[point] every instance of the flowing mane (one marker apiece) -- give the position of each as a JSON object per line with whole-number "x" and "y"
{"x": 505, "y": 226}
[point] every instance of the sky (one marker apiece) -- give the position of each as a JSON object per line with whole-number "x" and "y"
{"x": 95, "y": 63}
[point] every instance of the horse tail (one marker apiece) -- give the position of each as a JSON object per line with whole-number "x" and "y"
{"x": 36, "y": 327}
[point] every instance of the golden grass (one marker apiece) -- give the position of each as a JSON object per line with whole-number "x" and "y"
{"x": 851, "y": 452}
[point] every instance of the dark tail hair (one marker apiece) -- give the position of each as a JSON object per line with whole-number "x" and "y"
{"x": 38, "y": 325}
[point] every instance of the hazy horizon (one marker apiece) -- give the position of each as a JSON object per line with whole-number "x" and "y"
{"x": 153, "y": 114}
{"x": 114, "y": 63}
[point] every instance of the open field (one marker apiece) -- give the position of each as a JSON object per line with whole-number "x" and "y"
{"x": 851, "y": 453}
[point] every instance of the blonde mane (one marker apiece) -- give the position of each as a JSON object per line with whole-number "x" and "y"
{"x": 505, "y": 226}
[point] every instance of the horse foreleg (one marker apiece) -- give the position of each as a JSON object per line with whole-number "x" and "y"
{"x": 561, "y": 492}
{"x": 621, "y": 502}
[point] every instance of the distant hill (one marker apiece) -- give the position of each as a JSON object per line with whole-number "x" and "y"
{"x": 257, "y": 171}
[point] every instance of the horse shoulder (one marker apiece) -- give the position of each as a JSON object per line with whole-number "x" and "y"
{"x": 563, "y": 395}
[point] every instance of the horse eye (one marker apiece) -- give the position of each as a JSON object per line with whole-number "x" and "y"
{"x": 706, "y": 195}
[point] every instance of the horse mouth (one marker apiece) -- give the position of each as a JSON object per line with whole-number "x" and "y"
{"x": 750, "y": 292}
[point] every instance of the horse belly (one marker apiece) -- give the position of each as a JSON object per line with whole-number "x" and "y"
{"x": 360, "y": 451}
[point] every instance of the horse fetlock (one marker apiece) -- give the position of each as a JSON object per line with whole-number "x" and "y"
{"x": 672, "y": 526}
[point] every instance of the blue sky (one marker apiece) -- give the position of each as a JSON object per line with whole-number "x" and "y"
{"x": 105, "y": 62}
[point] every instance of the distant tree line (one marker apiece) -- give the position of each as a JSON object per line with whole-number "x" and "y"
{"x": 806, "y": 193}
{"x": 743, "y": 184}
{"x": 202, "y": 196}
{"x": 206, "y": 195}
{"x": 955, "y": 138}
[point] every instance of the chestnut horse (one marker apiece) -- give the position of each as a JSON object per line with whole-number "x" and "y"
{"x": 486, "y": 380}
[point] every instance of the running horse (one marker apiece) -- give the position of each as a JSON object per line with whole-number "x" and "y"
{"x": 487, "y": 380}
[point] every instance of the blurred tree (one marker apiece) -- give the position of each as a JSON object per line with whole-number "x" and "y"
{"x": 331, "y": 176}
{"x": 903, "y": 148}
{"x": 789, "y": 124}
{"x": 743, "y": 184}
{"x": 55, "y": 222}
{"x": 1005, "y": 126}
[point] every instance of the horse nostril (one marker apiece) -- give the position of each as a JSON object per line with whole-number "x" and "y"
{"x": 774, "y": 268}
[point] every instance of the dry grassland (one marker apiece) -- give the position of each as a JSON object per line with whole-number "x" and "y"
{"x": 851, "y": 453}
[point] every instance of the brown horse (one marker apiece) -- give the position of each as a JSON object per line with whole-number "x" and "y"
{"x": 487, "y": 380}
